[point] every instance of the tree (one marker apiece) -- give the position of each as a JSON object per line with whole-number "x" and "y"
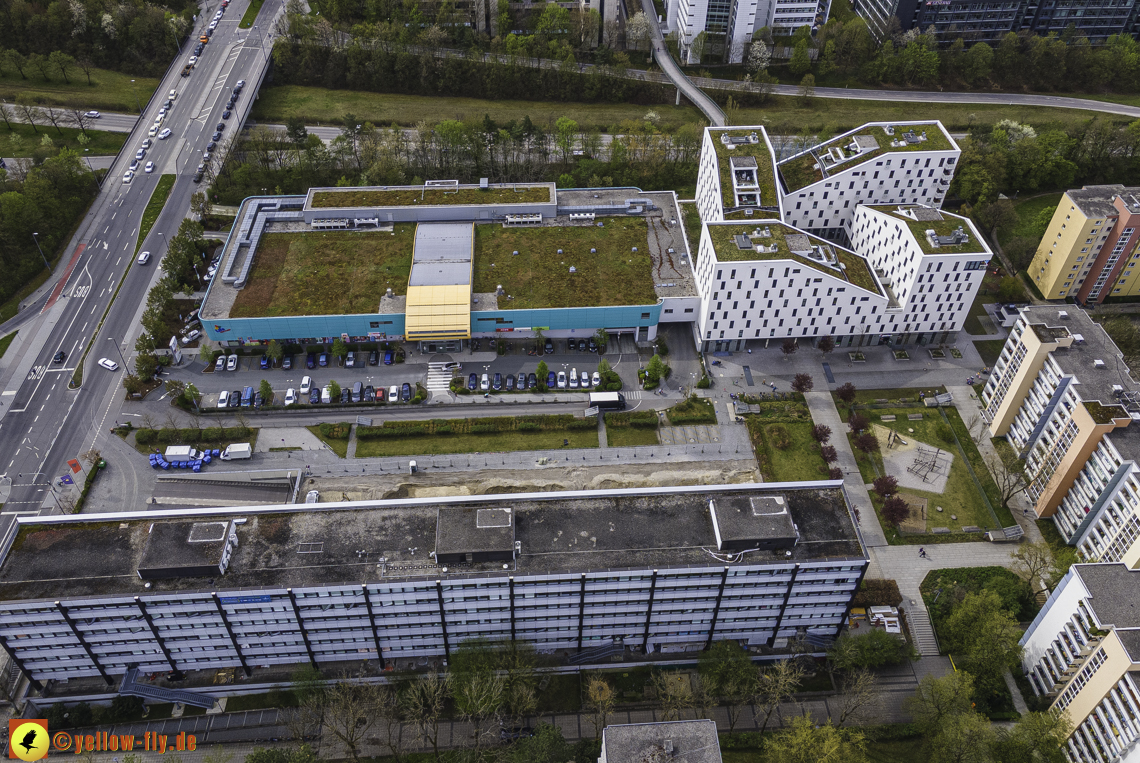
{"x": 857, "y": 692}
{"x": 133, "y": 384}
{"x": 789, "y": 347}
{"x": 886, "y": 486}
{"x": 199, "y": 205}
{"x": 601, "y": 338}
{"x": 1032, "y": 561}
{"x": 777, "y": 684}
{"x": 873, "y": 649}
{"x": 727, "y": 672}
{"x": 829, "y": 454}
{"x": 27, "y": 110}
{"x": 802, "y": 383}
{"x": 346, "y": 709}
{"x": 936, "y": 699}
{"x": 566, "y": 131}
{"x": 759, "y": 57}
{"x": 542, "y": 372}
{"x": 63, "y": 62}
{"x": 600, "y": 701}
{"x": 55, "y": 117}
{"x": 1008, "y": 472}
{"x": 40, "y": 64}
{"x": 655, "y": 370}
{"x": 674, "y": 693}
{"x": 191, "y": 395}
{"x": 801, "y": 61}
{"x": 302, "y": 754}
{"x": 297, "y": 132}
{"x": 17, "y": 61}
{"x": 422, "y": 702}
{"x": 1035, "y": 737}
{"x": 895, "y": 510}
{"x": 339, "y": 348}
{"x": 803, "y": 741}
{"x": 826, "y": 345}
{"x": 547, "y": 745}
{"x": 77, "y": 117}
{"x": 334, "y": 391}
{"x": 846, "y": 392}
{"x": 7, "y": 115}
{"x": 807, "y": 89}
{"x": 858, "y": 422}
{"x": 963, "y": 738}
{"x": 837, "y": 474}
{"x": 266, "y": 390}
{"x": 866, "y": 442}
{"x": 275, "y": 351}
{"x": 984, "y": 632}
{"x": 821, "y": 433}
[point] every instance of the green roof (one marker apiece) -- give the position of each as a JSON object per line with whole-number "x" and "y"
{"x": 418, "y": 196}
{"x": 801, "y": 171}
{"x": 944, "y": 227}
{"x": 765, "y": 172}
{"x": 856, "y": 271}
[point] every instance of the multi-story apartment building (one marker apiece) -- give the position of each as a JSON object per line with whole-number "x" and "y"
{"x": 989, "y": 22}
{"x": 1091, "y": 250}
{"x": 650, "y": 570}
{"x": 1083, "y": 651}
{"x": 683, "y": 741}
{"x": 909, "y": 275}
{"x": 1064, "y": 400}
{"x": 878, "y": 163}
{"x": 735, "y": 22}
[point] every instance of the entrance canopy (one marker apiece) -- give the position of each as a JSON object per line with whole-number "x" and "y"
{"x": 439, "y": 286}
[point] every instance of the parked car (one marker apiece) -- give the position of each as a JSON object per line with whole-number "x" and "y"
{"x": 193, "y": 336}
{"x": 406, "y": 392}
{"x": 522, "y": 382}
{"x": 219, "y": 126}
{"x": 235, "y": 398}
{"x": 550, "y": 380}
{"x": 258, "y": 400}
{"x": 323, "y": 360}
{"x": 345, "y": 395}
{"x": 573, "y": 379}
{"x": 472, "y": 381}
{"x": 485, "y": 383}
{"x": 369, "y": 393}
{"x": 379, "y": 395}
{"x": 311, "y": 360}
{"x": 510, "y": 382}
{"x": 220, "y": 363}
{"x": 306, "y": 384}
{"x": 216, "y": 137}
{"x": 264, "y": 362}
{"x": 232, "y": 363}
{"x": 585, "y": 379}
{"x": 561, "y": 380}
{"x": 314, "y": 396}
{"x": 247, "y": 397}
{"x": 287, "y": 363}
{"x": 548, "y": 347}
{"x": 531, "y": 380}
{"x": 597, "y": 379}
{"x": 497, "y": 384}
{"x": 290, "y": 396}
{"x": 581, "y": 345}
{"x": 226, "y": 114}
{"x": 393, "y": 394}
{"x": 374, "y": 358}
{"x": 388, "y": 357}
{"x": 593, "y": 345}
{"x": 223, "y": 399}
{"x": 326, "y": 394}
{"x": 350, "y": 359}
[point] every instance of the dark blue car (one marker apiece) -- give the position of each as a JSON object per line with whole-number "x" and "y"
{"x": 406, "y": 392}
{"x": 497, "y": 384}
{"x": 550, "y": 380}
{"x": 311, "y": 360}
{"x": 264, "y": 362}
{"x": 323, "y": 359}
{"x": 473, "y": 381}
{"x": 388, "y": 357}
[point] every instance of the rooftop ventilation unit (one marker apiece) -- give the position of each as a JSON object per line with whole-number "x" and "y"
{"x": 1098, "y": 364}
{"x": 1063, "y": 314}
{"x": 1078, "y": 338}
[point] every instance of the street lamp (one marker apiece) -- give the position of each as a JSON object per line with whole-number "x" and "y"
{"x": 112, "y": 341}
{"x": 35, "y": 237}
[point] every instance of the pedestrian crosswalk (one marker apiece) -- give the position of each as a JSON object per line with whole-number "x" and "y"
{"x": 438, "y": 377}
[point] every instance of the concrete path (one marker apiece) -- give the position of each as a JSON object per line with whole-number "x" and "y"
{"x": 823, "y": 411}
{"x": 288, "y": 437}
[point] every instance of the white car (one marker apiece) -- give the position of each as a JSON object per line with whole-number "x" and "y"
{"x": 223, "y": 398}
{"x": 164, "y": 134}
{"x": 128, "y": 177}
{"x": 193, "y": 60}
{"x": 192, "y": 336}
{"x": 220, "y": 363}
{"x": 306, "y": 384}
{"x": 290, "y": 396}
{"x": 213, "y": 25}
{"x": 172, "y": 94}
{"x": 585, "y": 380}
{"x": 144, "y": 258}
{"x": 561, "y": 380}
{"x": 149, "y": 168}
{"x": 162, "y": 112}
{"x": 326, "y": 395}
{"x": 573, "y": 378}
{"x": 484, "y": 383}
{"x": 134, "y": 165}
{"x": 146, "y": 144}
{"x": 92, "y": 115}
{"x": 393, "y": 394}
{"x": 597, "y": 378}
{"x": 153, "y": 131}
{"x": 140, "y": 154}
{"x": 231, "y": 363}
{"x": 110, "y": 365}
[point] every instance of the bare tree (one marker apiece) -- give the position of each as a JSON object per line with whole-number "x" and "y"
{"x": 87, "y": 66}
{"x": 600, "y": 699}
{"x": 479, "y": 696}
{"x": 26, "y": 109}
{"x": 777, "y": 684}
{"x": 1032, "y": 561}
{"x": 55, "y": 117}
{"x": 1008, "y": 472}
{"x": 78, "y": 118}
{"x": 92, "y": 456}
{"x": 857, "y": 692}
{"x": 346, "y": 709}
{"x": 423, "y": 702}
{"x": 674, "y": 693}
{"x": 7, "y": 115}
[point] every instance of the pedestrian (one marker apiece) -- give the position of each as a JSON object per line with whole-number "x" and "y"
{"x": 922, "y": 552}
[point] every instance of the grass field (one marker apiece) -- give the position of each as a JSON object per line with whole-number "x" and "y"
{"x": 6, "y": 342}
{"x": 626, "y": 437}
{"x": 990, "y": 350}
{"x": 154, "y": 207}
{"x": 109, "y": 91}
{"x": 250, "y": 15}
{"x": 355, "y": 197}
{"x": 320, "y": 106}
{"x": 337, "y": 444}
{"x": 1028, "y": 210}
{"x": 498, "y": 442}
{"x": 539, "y": 277}
{"x": 27, "y": 139}
{"x": 326, "y": 273}
{"x": 799, "y": 461}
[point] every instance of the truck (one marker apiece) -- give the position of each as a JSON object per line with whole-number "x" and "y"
{"x": 607, "y": 401}
{"x": 237, "y": 451}
{"x": 183, "y": 453}
{"x": 187, "y": 69}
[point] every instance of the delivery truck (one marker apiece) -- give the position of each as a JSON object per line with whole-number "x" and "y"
{"x": 237, "y": 451}
{"x": 183, "y": 453}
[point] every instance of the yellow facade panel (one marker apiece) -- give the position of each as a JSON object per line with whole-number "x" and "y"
{"x": 438, "y": 312}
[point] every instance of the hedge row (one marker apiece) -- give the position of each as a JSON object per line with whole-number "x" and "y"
{"x": 692, "y": 411}
{"x": 635, "y": 419}
{"x": 171, "y": 436}
{"x": 490, "y": 425}
{"x": 339, "y": 431}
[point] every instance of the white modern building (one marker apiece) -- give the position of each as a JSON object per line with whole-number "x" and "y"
{"x": 646, "y": 570}
{"x": 909, "y": 274}
{"x": 878, "y": 163}
{"x": 736, "y": 21}
{"x": 1083, "y": 651}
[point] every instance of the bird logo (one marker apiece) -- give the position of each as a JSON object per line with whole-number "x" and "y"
{"x": 28, "y": 739}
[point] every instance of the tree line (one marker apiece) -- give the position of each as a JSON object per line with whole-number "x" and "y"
{"x": 45, "y": 199}
{"x": 138, "y": 38}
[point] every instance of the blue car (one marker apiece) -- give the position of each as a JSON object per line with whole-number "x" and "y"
{"x": 388, "y": 355}
{"x": 473, "y": 381}
{"x": 264, "y": 362}
{"x": 550, "y": 380}
{"x": 323, "y": 359}
{"x": 497, "y": 384}
{"x": 311, "y": 360}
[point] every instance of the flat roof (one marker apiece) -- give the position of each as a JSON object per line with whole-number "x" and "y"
{"x": 860, "y": 145}
{"x": 1097, "y": 200}
{"x": 303, "y": 545}
{"x": 674, "y": 741}
{"x": 424, "y": 196}
{"x": 784, "y": 237}
{"x": 1112, "y": 588}
{"x": 742, "y": 146}
{"x": 946, "y": 224}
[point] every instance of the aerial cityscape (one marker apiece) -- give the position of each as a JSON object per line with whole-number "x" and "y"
{"x": 533, "y": 382}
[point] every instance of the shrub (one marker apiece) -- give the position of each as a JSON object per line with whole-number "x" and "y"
{"x": 339, "y": 431}
{"x": 858, "y": 422}
{"x": 145, "y": 437}
{"x": 876, "y": 592}
{"x": 830, "y": 455}
{"x": 704, "y": 383}
{"x": 527, "y": 426}
{"x": 836, "y": 473}
{"x": 802, "y": 383}
{"x": 213, "y": 434}
{"x": 821, "y": 433}
{"x": 846, "y": 392}
{"x": 867, "y": 442}
{"x": 779, "y": 437}
{"x": 943, "y": 432}
{"x": 886, "y": 486}
{"x": 873, "y": 649}
{"x": 166, "y": 435}
{"x": 895, "y": 510}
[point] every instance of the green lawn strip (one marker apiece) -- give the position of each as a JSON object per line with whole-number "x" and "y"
{"x": 30, "y": 138}
{"x": 1028, "y": 210}
{"x": 990, "y": 350}
{"x": 329, "y": 434}
{"x": 271, "y": 699}
{"x": 210, "y": 438}
{"x": 6, "y": 341}
{"x": 539, "y": 277}
{"x": 154, "y": 207}
{"x": 316, "y": 105}
{"x": 869, "y": 397}
{"x": 1004, "y": 516}
{"x": 9, "y": 309}
{"x": 955, "y": 582}
{"x": 498, "y": 442}
{"x": 250, "y": 14}
{"x": 798, "y": 462}
{"x": 692, "y": 411}
{"x": 870, "y": 465}
{"x": 628, "y": 437}
{"x": 109, "y": 90}
{"x": 326, "y": 272}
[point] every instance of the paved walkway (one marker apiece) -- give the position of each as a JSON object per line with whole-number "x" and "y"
{"x": 823, "y": 411}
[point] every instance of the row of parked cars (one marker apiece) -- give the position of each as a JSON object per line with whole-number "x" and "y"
{"x": 356, "y": 359}
{"x": 524, "y": 382}
{"x": 315, "y": 395}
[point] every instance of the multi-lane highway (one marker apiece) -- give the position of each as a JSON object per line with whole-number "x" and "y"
{"x": 44, "y": 422}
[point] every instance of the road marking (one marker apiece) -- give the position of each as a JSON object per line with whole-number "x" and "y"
{"x": 43, "y": 406}
{"x": 107, "y": 228}
{"x": 113, "y": 217}
{"x": 119, "y": 260}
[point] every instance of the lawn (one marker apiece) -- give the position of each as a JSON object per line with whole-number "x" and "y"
{"x": 495, "y": 442}
{"x": 330, "y": 434}
{"x": 990, "y": 350}
{"x": 628, "y": 437}
{"x": 321, "y": 106}
{"x": 1028, "y": 210}
{"x": 692, "y": 410}
{"x": 899, "y": 395}
{"x": 539, "y": 277}
{"x": 109, "y": 91}
{"x": 272, "y": 698}
{"x": 154, "y": 207}
{"x": 799, "y": 460}
{"x": 250, "y": 14}
{"x": 187, "y": 437}
{"x": 325, "y": 273}
{"x": 988, "y": 293}
{"x": 6, "y": 342}
{"x": 355, "y": 197}
{"x": 29, "y": 138}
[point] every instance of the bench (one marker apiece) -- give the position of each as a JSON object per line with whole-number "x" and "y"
{"x": 888, "y": 417}
{"x": 914, "y": 416}
{"x": 971, "y": 529}
{"x": 941, "y": 530}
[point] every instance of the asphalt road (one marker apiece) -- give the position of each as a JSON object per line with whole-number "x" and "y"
{"x": 44, "y": 424}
